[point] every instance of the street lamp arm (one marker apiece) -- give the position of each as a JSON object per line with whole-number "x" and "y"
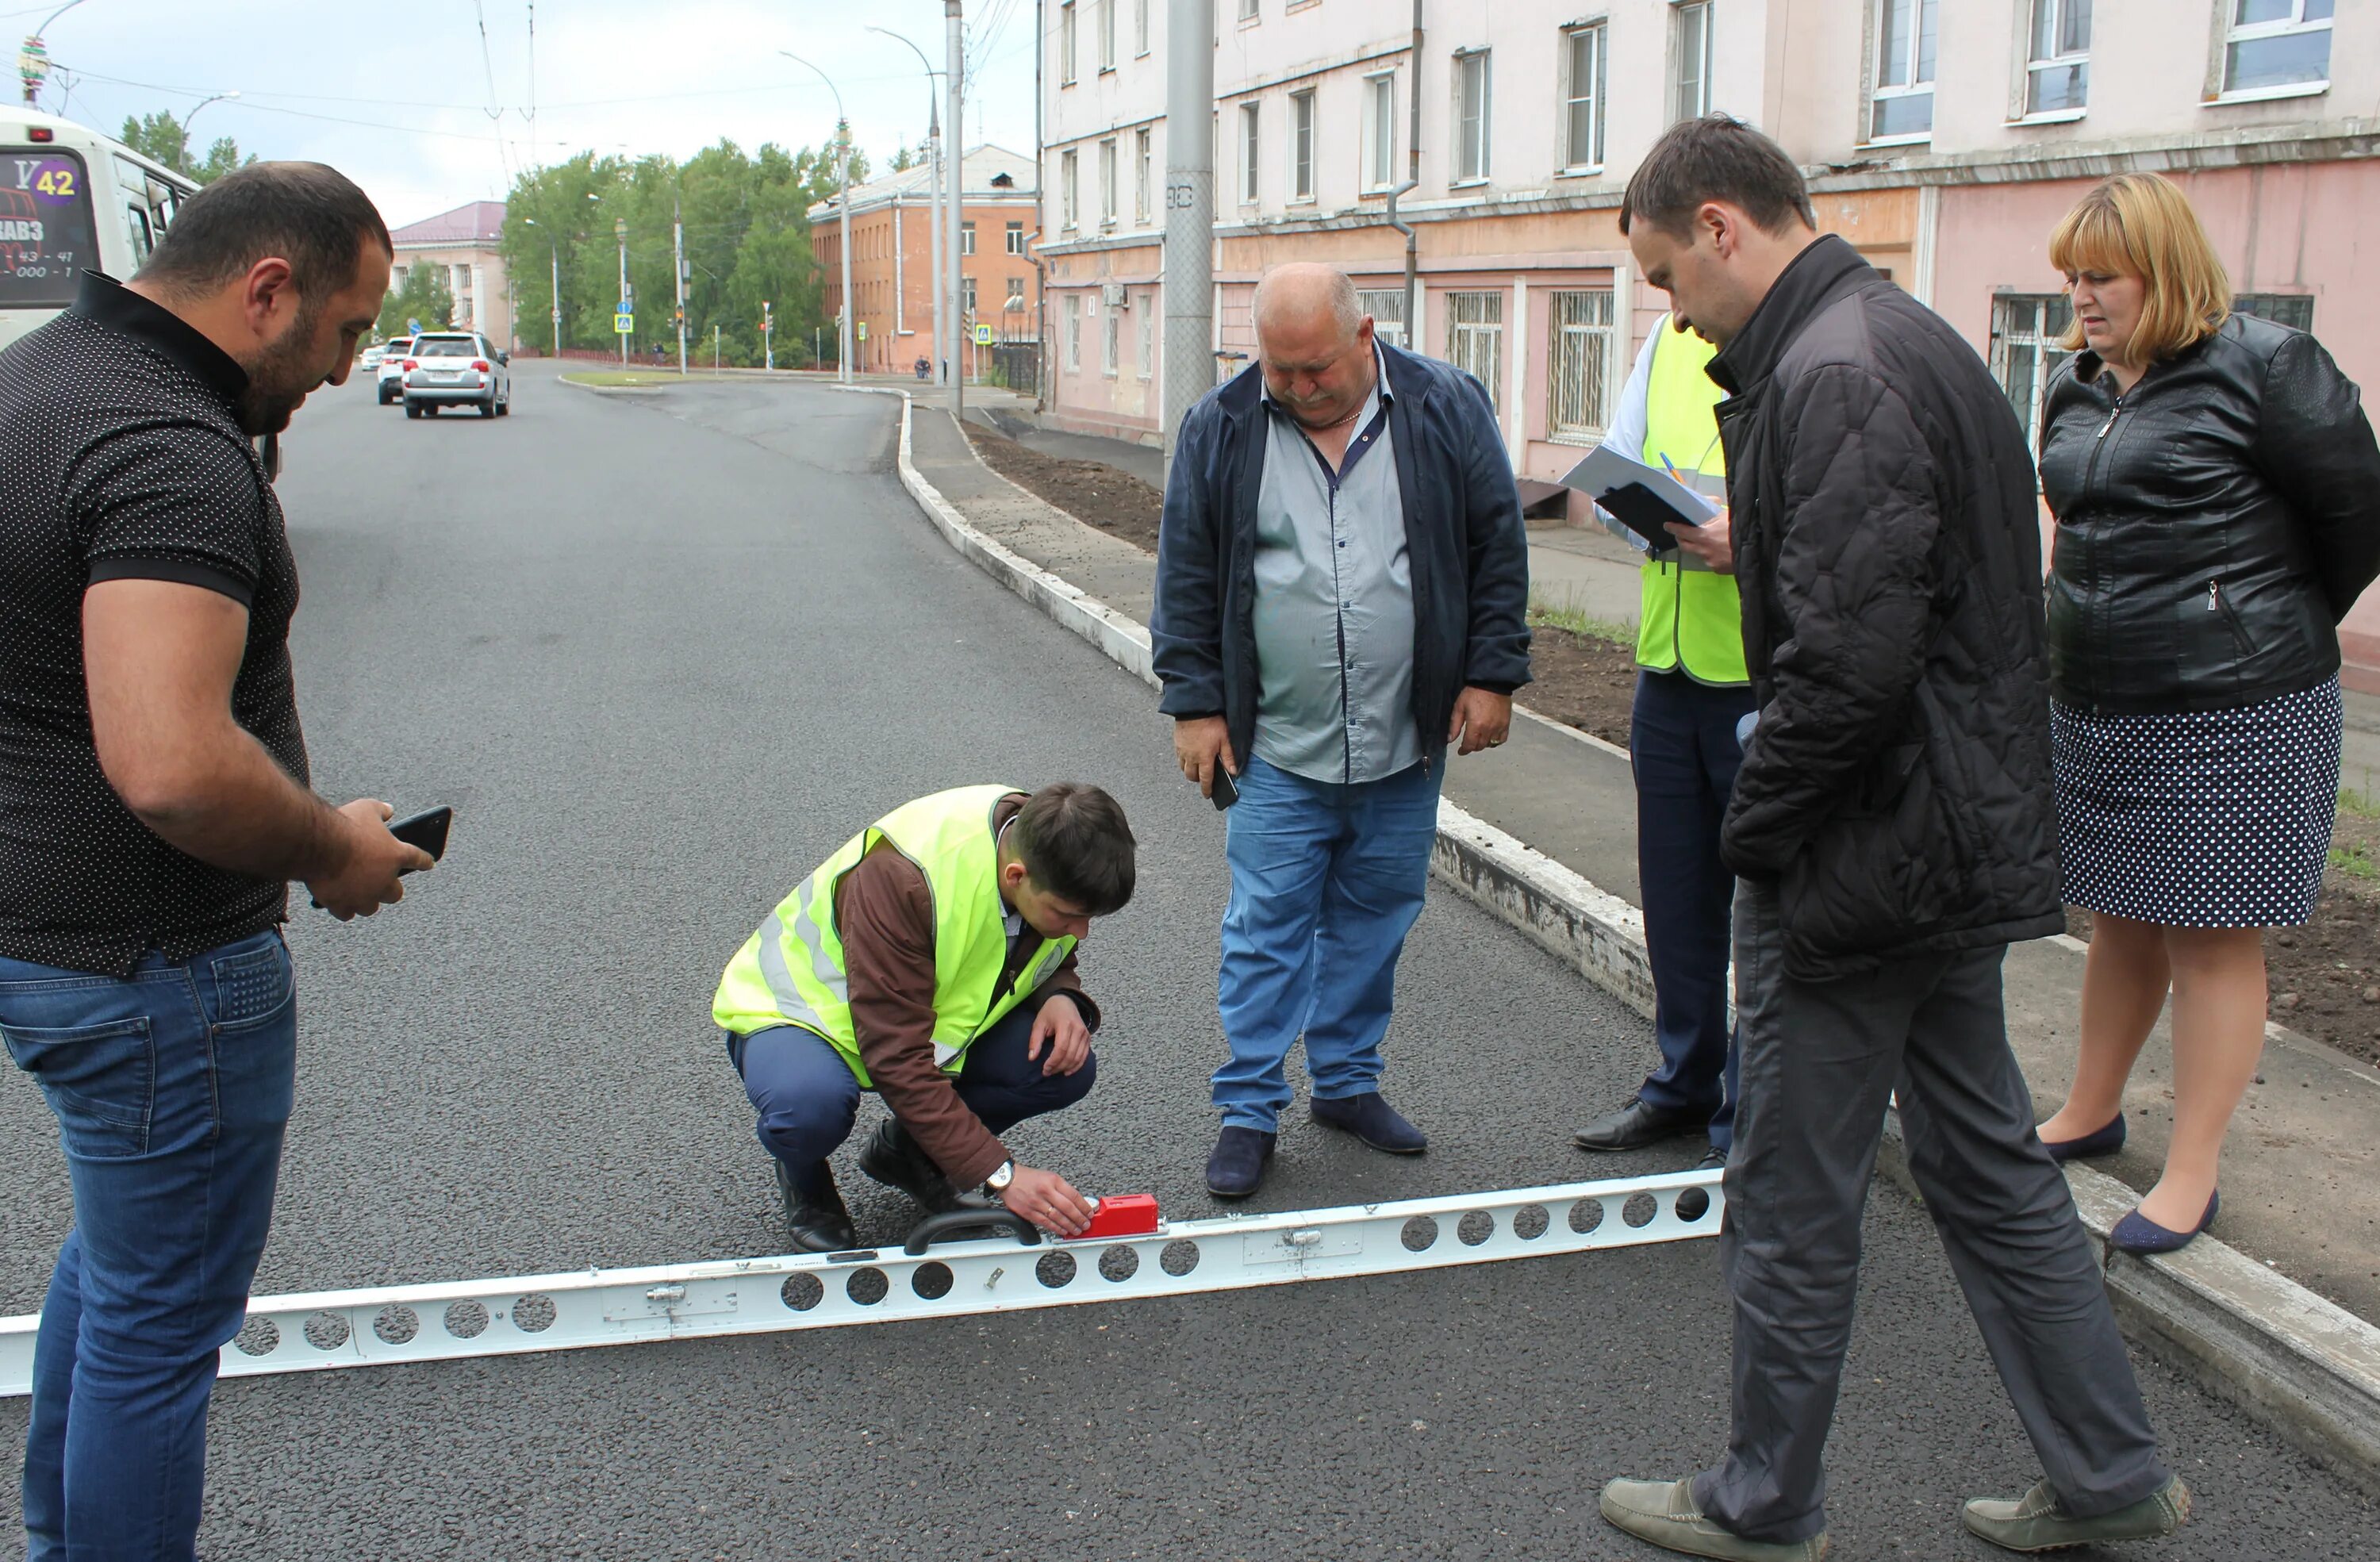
{"x": 53, "y": 16}
{"x": 823, "y": 77}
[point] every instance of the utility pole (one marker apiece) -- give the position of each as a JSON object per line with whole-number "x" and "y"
{"x": 933, "y": 197}
{"x": 845, "y": 338}
{"x": 677, "y": 246}
{"x": 954, "y": 61}
{"x": 628, "y": 302}
{"x": 554, "y": 255}
{"x": 768, "y": 338}
{"x": 1189, "y": 211}
{"x": 33, "y": 60}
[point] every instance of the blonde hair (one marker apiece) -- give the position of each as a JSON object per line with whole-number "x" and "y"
{"x": 2141, "y": 224}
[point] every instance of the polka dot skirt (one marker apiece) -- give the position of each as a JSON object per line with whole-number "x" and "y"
{"x": 2216, "y": 819}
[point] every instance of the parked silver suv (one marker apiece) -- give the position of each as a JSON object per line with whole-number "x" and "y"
{"x": 456, "y": 369}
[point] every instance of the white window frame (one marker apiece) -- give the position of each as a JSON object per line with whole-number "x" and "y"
{"x": 1014, "y": 298}
{"x": 967, "y": 237}
{"x": 1599, "y": 33}
{"x": 1251, "y": 152}
{"x": 1387, "y": 307}
{"x": 1074, "y": 332}
{"x": 2046, "y": 21}
{"x": 1147, "y": 312}
{"x": 1144, "y": 167}
{"x": 1249, "y": 14}
{"x": 1583, "y": 341}
{"x": 1475, "y": 78}
{"x": 1103, "y": 34}
{"x": 2035, "y": 344}
{"x": 2231, "y": 32}
{"x": 1015, "y": 243}
{"x": 1069, "y": 187}
{"x": 1066, "y": 40}
{"x": 1380, "y": 145}
{"x": 1911, "y": 63}
{"x": 1301, "y": 147}
{"x": 1690, "y": 59}
{"x": 1140, "y": 23}
{"x": 1478, "y": 344}
{"x": 1109, "y": 345}
{"x": 1108, "y": 153}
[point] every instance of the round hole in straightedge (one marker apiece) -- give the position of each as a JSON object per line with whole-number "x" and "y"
{"x": 1119, "y": 1263}
{"x": 1692, "y": 1204}
{"x": 1585, "y": 1215}
{"x": 1640, "y": 1209}
{"x": 1419, "y": 1235}
{"x": 1180, "y": 1256}
{"x": 801, "y": 1291}
{"x": 867, "y": 1287}
{"x": 396, "y": 1325}
{"x": 533, "y": 1313}
{"x": 259, "y": 1335}
{"x": 326, "y": 1331}
{"x": 1056, "y": 1270}
{"x": 1529, "y": 1222}
{"x": 467, "y": 1320}
{"x": 931, "y": 1282}
{"x": 1475, "y": 1228}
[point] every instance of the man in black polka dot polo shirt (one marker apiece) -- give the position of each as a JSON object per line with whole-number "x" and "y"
{"x": 154, "y": 809}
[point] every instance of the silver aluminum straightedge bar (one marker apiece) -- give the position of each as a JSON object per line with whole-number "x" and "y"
{"x": 381, "y": 1325}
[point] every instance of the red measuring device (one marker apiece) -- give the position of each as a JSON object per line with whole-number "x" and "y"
{"x": 1122, "y": 1215}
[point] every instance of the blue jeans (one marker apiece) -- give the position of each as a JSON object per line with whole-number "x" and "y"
{"x": 172, "y": 1091}
{"x": 806, "y": 1096}
{"x": 1683, "y": 748}
{"x": 1325, "y": 882}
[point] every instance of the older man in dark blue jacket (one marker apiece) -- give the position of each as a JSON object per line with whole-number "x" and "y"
{"x": 1341, "y": 595}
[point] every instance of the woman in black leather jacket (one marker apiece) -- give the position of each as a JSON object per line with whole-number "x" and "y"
{"x": 2216, "y": 489}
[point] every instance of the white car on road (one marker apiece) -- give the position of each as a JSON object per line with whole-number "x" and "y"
{"x": 456, "y": 369}
{"x": 389, "y": 368}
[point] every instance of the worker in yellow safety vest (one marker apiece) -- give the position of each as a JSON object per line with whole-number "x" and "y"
{"x": 1692, "y": 710}
{"x": 931, "y": 960}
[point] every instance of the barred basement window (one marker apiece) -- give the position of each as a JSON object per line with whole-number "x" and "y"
{"x": 1387, "y": 307}
{"x": 2025, "y": 355}
{"x": 1475, "y": 340}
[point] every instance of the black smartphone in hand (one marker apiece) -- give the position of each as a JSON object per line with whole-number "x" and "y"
{"x": 426, "y": 829}
{"x": 1224, "y": 790}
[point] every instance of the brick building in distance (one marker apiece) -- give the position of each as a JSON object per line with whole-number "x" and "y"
{"x": 892, "y": 260}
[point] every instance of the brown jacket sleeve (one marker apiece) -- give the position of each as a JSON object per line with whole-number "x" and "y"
{"x": 885, "y": 916}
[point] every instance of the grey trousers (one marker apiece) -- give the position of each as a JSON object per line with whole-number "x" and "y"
{"x": 1819, "y": 1062}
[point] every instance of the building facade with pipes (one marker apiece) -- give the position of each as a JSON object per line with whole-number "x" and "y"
{"x": 1943, "y": 137}
{"x": 892, "y": 258}
{"x": 464, "y": 243}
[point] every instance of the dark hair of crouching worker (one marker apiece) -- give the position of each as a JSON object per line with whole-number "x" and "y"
{"x": 930, "y": 960}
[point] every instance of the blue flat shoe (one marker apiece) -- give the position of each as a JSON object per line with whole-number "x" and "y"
{"x": 1373, "y": 1120}
{"x": 2137, "y": 1233}
{"x": 2104, "y": 1142}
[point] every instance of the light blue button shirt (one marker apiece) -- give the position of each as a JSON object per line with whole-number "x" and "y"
{"x": 1334, "y": 608}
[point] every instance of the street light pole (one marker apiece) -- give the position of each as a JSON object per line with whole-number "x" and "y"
{"x": 942, "y": 361}
{"x": 1189, "y": 355}
{"x": 677, "y": 246}
{"x": 35, "y": 53}
{"x": 202, "y": 103}
{"x": 843, "y": 334}
{"x": 554, "y": 255}
{"x": 620, "y": 231}
{"x": 955, "y": 62}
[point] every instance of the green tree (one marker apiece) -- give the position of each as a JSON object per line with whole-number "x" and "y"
{"x": 161, "y": 138}
{"x": 903, "y": 160}
{"x": 425, "y": 296}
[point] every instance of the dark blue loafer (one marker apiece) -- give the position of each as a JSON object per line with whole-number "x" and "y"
{"x": 2137, "y": 1233}
{"x": 1236, "y": 1167}
{"x": 2103, "y": 1142}
{"x": 1374, "y": 1121}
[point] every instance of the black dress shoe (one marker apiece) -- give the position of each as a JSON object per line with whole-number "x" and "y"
{"x": 1694, "y": 1202}
{"x": 814, "y": 1210}
{"x": 1635, "y": 1125}
{"x": 895, "y": 1160}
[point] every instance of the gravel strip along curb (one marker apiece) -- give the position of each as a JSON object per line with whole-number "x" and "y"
{"x": 2295, "y": 1361}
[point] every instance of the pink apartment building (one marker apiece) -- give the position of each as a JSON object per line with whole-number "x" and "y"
{"x": 1944, "y": 137}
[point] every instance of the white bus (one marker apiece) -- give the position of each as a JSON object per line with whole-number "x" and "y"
{"x": 71, "y": 200}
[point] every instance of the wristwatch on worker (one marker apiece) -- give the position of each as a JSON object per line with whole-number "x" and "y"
{"x": 1001, "y": 1175}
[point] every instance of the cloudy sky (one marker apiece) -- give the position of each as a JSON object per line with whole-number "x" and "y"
{"x": 401, "y": 97}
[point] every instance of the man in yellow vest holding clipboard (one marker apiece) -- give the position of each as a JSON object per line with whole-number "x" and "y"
{"x": 1693, "y": 702}
{"x": 931, "y": 960}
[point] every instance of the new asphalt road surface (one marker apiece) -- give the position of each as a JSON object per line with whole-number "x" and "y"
{"x": 665, "y": 651}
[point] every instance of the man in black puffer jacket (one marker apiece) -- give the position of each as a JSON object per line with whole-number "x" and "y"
{"x": 1892, "y": 829}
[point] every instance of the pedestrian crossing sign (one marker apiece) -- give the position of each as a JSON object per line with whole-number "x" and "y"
{"x": 623, "y": 322}
{"x": 983, "y": 335}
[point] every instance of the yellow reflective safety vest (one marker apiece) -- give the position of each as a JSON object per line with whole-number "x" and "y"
{"x": 1692, "y": 620}
{"x": 791, "y": 971}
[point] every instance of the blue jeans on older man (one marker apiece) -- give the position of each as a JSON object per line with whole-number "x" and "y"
{"x": 1325, "y": 882}
{"x": 172, "y": 1089}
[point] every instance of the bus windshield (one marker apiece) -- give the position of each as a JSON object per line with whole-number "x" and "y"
{"x": 46, "y": 227}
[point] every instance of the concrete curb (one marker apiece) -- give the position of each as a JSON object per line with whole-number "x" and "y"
{"x": 2304, "y": 1367}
